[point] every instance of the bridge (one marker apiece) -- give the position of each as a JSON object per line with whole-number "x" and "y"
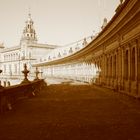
{"x": 84, "y": 94}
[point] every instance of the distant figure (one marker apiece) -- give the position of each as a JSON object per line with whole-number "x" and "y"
{"x": 104, "y": 23}
{"x": 84, "y": 42}
{"x": 8, "y": 83}
{"x": 4, "y": 82}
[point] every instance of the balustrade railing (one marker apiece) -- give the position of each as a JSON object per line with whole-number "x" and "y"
{"x": 10, "y": 94}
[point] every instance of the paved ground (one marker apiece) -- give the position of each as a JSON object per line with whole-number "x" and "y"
{"x": 73, "y": 112}
{"x": 51, "y": 81}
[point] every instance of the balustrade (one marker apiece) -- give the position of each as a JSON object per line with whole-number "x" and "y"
{"x": 10, "y": 94}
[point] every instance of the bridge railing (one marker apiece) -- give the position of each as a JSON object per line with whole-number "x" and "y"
{"x": 9, "y": 95}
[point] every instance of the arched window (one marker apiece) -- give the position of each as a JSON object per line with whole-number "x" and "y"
{"x": 133, "y": 64}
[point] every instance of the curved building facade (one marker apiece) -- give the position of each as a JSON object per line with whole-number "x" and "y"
{"x": 111, "y": 59}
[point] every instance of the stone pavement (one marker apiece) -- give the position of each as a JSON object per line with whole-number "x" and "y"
{"x": 73, "y": 112}
{"x": 52, "y": 80}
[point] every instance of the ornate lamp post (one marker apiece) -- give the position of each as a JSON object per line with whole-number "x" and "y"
{"x": 25, "y": 72}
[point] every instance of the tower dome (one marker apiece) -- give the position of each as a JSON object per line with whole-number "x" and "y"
{"x": 29, "y": 34}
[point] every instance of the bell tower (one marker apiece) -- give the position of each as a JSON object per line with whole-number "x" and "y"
{"x": 29, "y": 34}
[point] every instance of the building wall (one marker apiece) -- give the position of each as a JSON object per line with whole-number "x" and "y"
{"x": 28, "y": 51}
{"x": 12, "y": 60}
{"x": 112, "y": 59}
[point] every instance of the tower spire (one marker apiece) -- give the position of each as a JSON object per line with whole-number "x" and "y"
{"x": 29, "y": 12}
{"x": 29, "y": 34}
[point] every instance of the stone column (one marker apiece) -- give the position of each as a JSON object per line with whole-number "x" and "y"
{"x": 138, "y": 57}
{"x": 84, "y": 70}
{"x": 87, "y": 71}
{"x": 112, "y": 79}
{"x": 98, "y": 64}
{"x": 129, "y": 68}
{"x": 119, "y": 67}
{"x": 90, "y": 72}
{"x": 102, "y": 68}
{"x": 105, "y": 68}
{"x": 123, "y": 67}
{"x": 138, "y": 65}
{"x": 108, "y": 70}
{"x": 115, "y": 70}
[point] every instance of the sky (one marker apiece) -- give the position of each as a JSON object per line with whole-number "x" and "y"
{"x": 57, "y": 22}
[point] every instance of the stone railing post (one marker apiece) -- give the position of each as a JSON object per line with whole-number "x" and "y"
{"x": 0, "y": 81}
{"x": 25, "y": 72}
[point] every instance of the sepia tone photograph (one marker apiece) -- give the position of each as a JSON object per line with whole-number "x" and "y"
{"x": 69, "y": 69}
